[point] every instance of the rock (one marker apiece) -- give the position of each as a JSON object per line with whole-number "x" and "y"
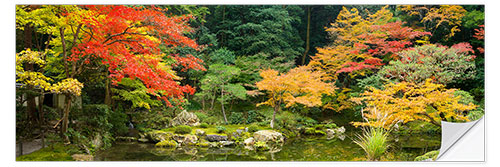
{"x": 268, "y": 136}
{"x": 248, "y": 142}
{"x": 186, "y": 118}
{"x": 239, "y": 131}
{"x": 340, "y": 130}
{"x": 127, "y": 139}
{"x": 82, "y": 157}
{"x": 207, "y": 144}
{"x": 216, "y": 138}
{"x": 226, "y": 143}
{"x": 157, "y": 136}
{"x": 190, "y": 140}
{"x": 330, "y": 134}
{"x": 143, "y": 140}
{"x": 200, "y": 132}
{"x": 178, "y": 138}
{"x": 97, "y": 141}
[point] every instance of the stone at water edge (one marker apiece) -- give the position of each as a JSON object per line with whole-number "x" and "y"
{"x": 200, "y": 132}
{"x": 158, "y": 136}
{"x": 190, "y": 140}
{"x": 226, "y": 143}
{"x": 330, "y": 133}
{"x": 216, "y": 138}
{"x": 186, "y": 118}
{"x": 268, "y": 135}
{"x": 248, "y": 142}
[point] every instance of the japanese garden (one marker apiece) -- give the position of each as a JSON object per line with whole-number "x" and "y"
{"x": 244, "y": 82}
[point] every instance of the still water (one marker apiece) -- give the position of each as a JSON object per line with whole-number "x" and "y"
{"x": 402, "y": 148}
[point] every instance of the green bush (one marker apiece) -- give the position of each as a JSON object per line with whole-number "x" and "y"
{"x": 287, "y": 120}
{"x": 253, "y": 128}
{"x": 236, "y": 118}
{"x": 119, "y": 122}
{"x": 202, "y": 116}
{"x": 183, "y": 129}
{"x": 221, "y": 129}
{"x": 212, "y": 120}
{"x": 313, "y": 131}
{"x": 203, "y": 125}
{"x": 373, "y": 141}
{"x": 254, "y": 116}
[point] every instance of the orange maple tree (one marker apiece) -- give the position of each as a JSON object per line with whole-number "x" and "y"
{"x": 300, "y": 85}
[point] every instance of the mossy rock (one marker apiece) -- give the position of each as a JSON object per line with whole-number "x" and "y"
{"x": 166, "y": 143}
{"x": 314, "y": 131}
{"x": 429, "y": 155}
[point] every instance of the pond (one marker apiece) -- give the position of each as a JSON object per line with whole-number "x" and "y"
{"x": 402, "y": 148}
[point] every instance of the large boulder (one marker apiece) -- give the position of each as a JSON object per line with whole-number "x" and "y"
{"x": 186, "y": 118}
{"x": 268, "y": 136}
{"x": 216, "y": 138}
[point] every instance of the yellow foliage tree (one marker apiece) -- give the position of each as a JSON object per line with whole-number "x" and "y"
{"x": 300, "y": 85}
{"x": 434, "y": 17}
{"x": 405, "y": 102}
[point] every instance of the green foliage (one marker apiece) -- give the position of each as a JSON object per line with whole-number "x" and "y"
{"x": 466, "y": 98}
{"x": 429, "y": 155}
{"x": 253, "y": 116}
{"x": 203, "y": 125}
{"x": 306, "y": 121}
{"x": 202, "y": 116}
{"x": 222, "y": 56}
{"x": 236, "y": 118}
{"x": 251, "y": 66}
{"x": 183, "y": 129}
{"x": 287, "y": 120}
{"x": 330, "y": 126}
{"x": 314, "y": 131}
{"x": 119, "y": 121}
{"x": 221, "y": 129}
{"x": 212, "y": 120}
{"x": 92, "y": 122}
{"x": 253, "y": 128}
{"x": 135, "y": 92}
{"x": 374, "y": 142}
{"x": 248, "y": 30}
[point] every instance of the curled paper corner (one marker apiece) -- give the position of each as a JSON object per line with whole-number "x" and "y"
{"x": 462, "y": 141}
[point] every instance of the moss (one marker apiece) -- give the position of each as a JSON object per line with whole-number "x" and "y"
{"x": 203, "y": 125}
{"x": 429, "y": 155}
{"x": 313, "y": 131}
{"x": 166, "y": 143}
{"x": 183, "y": 129}
{"x": 59, "y": 152}
{"x": 261, "y": 146}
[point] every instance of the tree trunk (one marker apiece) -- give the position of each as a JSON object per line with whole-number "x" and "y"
{"x": 67, "y": 106}
{"x": 213, "y": 101}
{"x": 107, "y": 97}
{"x": 222, "y": 103}
{"x": 274, "y": 116}
{"x": 307, "y": 35}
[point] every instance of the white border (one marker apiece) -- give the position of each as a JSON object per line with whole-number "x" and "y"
{"x": 7, "y": 139}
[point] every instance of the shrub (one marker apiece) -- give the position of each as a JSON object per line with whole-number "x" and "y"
{"x": 253, "y": 128}
{"x": 211, "y": 120}
{"x": 203, "y": 125}
{"x": 254, "y": 116}
{"x": 236, "y": 118}
{"x": 202, "y": 116}
{"x": 331, "y": 126}
{"x": 429, "y": 155}
{"x": 373, "y": 141}
{"x": 286, "y": 120}
{"x": 221, "y": 129}
{"x": 313, "y": 131}
{"x": 183, "y": 129}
